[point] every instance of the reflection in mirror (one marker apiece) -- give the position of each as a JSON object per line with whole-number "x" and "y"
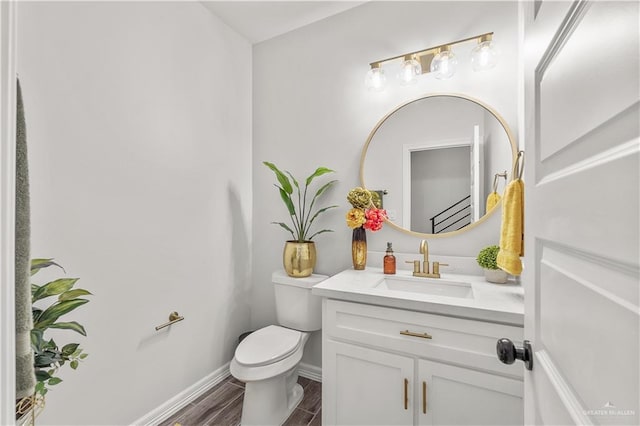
{"x": 437, "y": 158}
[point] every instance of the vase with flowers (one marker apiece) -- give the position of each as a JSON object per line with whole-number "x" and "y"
{"x": 363, "y": 215}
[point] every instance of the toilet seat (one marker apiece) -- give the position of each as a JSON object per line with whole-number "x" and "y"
{"x": 273, "y": 365}
{"x": 268, "y": 346}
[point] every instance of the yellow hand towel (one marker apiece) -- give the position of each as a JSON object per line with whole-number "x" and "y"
{"x": 492, "y": 200}
{"x": 512, "y": 232}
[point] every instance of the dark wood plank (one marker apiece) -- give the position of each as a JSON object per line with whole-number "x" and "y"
{"x": 235, "y": 381}
{"x": 299, "y": 418}
{"x": 317, "y": 419}
{"x": 212, "y": 405}
{"x": 303, "y": 381}
{"x": 222, "y": 405}
{"x": 231, "y": 415}
{"x": 210, "y": 391}
{"x": 177, "y": 417}
{"x": 312, "y": 400}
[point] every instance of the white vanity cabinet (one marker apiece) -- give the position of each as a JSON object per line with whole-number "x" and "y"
{"x": 388, "y": 366}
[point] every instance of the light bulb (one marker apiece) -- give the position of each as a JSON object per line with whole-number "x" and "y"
{"x": 375, "y": 79}
{"x": 484, "y": 56}
{"x": 444, "y": 64}
{"x": 409, "y": 71}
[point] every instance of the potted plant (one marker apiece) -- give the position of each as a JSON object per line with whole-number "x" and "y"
{"x": 50, "y": 356}
{"x": 299, "y": 257}
{"x": 487, "y": 260}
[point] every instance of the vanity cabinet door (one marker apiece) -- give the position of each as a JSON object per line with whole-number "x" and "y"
{"x": 363, "y": 386}
{"x": 449, "y": 395}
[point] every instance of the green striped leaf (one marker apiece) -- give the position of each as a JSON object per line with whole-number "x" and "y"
{"x": 72, "y": 294}
{"x": 72, "y": 325}
{"x": 287, "y": 201}
{"x": 53, "y": 288}
{"x": 69, "y": 349}
{"x": 42, "y": 375}
{"x": 54, "y": 381}
{"x": 284, "y": 225}
{"x": 282, "y": 178}
{"x": 52, "y": 313}
{"x": 319, "y": 172}
{"x": 38, "y": 264}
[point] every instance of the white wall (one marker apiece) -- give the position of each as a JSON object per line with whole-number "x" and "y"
{"x": 138, "y": 119}
{"x": 310, "y": 108}
{"x": 439, "y": 179}
{"x": 496, "y": 161}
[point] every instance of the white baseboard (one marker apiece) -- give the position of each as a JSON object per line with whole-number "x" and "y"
{"x": 172, "y": 406}
{"x": 310, "y": 372}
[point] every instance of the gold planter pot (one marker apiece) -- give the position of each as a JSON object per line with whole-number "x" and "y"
{"x": 299, "y": 259}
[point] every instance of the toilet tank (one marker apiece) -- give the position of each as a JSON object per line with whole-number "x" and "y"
{"x": 296, "y": 307}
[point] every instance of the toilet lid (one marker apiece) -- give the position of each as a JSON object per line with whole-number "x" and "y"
{"x": 268, "y": 345}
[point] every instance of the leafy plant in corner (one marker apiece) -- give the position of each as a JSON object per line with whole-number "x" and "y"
{"x": 300, "y": 209}
{"x": 48, "y": 356}
{"x": 487, "y": 257}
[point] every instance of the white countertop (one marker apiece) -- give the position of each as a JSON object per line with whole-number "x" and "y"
{"x": 501, "y": 303}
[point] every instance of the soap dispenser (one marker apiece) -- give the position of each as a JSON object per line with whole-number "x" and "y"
{"x": 389, "y": 262}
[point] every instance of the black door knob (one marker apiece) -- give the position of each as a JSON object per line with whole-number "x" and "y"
{"x": 508, "y": 352}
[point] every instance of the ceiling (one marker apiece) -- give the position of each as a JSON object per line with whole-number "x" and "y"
{"x": 261, "y": 20}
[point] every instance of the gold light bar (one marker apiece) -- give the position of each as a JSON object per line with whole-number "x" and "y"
{"x": 425, "y": 56}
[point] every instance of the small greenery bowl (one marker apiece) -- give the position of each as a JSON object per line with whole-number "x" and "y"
{"x": 487, "y": 257}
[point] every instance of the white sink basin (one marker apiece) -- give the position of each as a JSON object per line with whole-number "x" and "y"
{"x": 434, "y": 286}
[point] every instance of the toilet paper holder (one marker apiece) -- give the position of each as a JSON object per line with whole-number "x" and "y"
{"x": 174, "y": 317}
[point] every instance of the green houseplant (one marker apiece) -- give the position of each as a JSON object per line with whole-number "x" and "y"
{"x": 299, "y": 255}
{"x": 49, "y": 356}
{"x": 487, "y": 260}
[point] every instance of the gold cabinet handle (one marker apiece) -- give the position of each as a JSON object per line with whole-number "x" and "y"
{"x": 406, "y": 394}
{"x": 424, "y": 397}
{"x": 413, "y": 334}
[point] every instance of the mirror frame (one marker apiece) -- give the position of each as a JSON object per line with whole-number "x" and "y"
{"x": 501, "y": 120}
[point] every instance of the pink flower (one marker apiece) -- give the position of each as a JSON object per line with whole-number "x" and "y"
{"x": 375, "y": 218}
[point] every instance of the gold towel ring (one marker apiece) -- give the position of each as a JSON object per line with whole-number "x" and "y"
{"x": 518, "y": 166}
{"x": 495, "y": 180}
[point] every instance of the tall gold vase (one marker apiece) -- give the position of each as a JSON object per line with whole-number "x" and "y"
{"x": 299, "y": 259}
{"x": 359, "y": 248}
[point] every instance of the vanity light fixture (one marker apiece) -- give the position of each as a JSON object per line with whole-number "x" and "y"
{"x": 444, "y": 64}
{"x": 485, "y": 55}
{"x": 410, "y": 70}
{"x": 375, "y": 79}
{"x": 439, "y": 60}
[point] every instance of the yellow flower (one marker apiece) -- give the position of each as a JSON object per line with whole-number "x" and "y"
{"x": 359, "y": 198}
{"x": 355, "y": 218}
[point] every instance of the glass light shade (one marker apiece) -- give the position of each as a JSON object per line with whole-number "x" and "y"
{"x": 375, "y": 79}
{"x": 444, "y": 65}
{"x": 409, "y": 71}
{"x": 484, "y": 56}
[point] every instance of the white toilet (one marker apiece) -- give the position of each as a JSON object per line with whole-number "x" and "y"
{"x": 267, "y": 360}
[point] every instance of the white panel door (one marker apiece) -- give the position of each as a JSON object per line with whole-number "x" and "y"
{"x": 450, "y": 395}
{"x": 581, "y": 273}
{"x": 369, "y": 387}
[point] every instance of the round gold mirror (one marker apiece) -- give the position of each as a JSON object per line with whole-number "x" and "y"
{"x": 435, "y": 161}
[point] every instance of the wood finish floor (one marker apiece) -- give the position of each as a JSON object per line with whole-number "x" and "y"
{"x": 222, "y": 405}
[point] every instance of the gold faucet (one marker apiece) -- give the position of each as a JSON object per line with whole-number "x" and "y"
{"x": 424, "y": 249}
